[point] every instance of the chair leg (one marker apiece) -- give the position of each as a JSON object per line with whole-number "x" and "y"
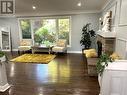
{"x": 55, "y": 53}
{"x": 18, "y": 52}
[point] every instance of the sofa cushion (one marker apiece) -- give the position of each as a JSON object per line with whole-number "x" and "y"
{"x": 90, "y": 53}
{"x": 61, "y": 43}
{"x": 115, "y": 56}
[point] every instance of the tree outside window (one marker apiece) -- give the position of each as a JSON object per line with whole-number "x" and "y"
{"x": 45, "y": 32}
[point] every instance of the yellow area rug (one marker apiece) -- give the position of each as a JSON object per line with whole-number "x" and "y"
{"x": 34, "y": 58}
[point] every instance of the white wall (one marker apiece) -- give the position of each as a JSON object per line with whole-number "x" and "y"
{"x": 119, "y": 24}
{"x": 78, "y": 21}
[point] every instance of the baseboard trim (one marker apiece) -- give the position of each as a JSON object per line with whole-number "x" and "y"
{"x": 74, "y": 51}
{"x": 14, "y": 49}
{"x": 5, "y": 87}
{"x": 67, "y": 51}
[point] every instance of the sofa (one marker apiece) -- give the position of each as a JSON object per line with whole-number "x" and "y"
{"x": 91, "y": 61}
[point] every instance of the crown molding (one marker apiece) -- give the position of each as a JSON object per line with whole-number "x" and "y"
{"x": 55, "y": 13}
{"x": 106, "y": 4}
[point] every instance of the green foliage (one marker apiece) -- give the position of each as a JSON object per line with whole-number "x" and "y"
{"x": 86, "y": 36}
{"x": 1, "y": 54}
{"x": 42, "y": 35}
{"x": 63, "y": 25}
{"x": 102, "y": 63}
{"x": 42, "y": 32}
{"x": 64, "y": 29}
{"x": 25, "y": 24}
{"x": 47, "y": 43}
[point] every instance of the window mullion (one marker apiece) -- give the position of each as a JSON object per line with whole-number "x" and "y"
{"x": 32, "y": 31}
{"x": 57, "y": 29}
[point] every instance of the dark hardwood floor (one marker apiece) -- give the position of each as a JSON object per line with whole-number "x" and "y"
{"x": 65, "y": 75}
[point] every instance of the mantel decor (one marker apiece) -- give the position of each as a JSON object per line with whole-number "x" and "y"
{"x": 107, "y": 22}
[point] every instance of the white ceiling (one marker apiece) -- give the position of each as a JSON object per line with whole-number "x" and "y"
{"x": 57, "y": 6}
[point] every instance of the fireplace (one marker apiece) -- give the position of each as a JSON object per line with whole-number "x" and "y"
{"x": 105, "y": 45}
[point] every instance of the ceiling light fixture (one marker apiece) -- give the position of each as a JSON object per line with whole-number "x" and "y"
{"x": 79, "y": 4}
{"x": 33, "y": 7}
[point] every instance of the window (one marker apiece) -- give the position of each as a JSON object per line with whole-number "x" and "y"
{"x": 46, "y": 30}
{"x": 64, "y": 29}
{"x": 25, "y": 29}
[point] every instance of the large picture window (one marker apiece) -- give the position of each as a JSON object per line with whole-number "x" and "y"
{"x": 46, "y": 30}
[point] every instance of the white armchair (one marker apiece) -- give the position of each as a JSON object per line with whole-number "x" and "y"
{"x": 25, "y": 45}
{"x": 61, "y": 46}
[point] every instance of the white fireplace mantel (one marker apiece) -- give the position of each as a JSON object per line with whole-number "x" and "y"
{"x": 106, "y": 34}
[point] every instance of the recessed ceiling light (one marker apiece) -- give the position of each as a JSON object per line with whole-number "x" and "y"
{"x": 79, "y": 4}
{"x": 33, "y": 7}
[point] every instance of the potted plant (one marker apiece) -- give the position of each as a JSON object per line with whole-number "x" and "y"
{"x": 86, "y": 36}
{"x": 2, "y": 56}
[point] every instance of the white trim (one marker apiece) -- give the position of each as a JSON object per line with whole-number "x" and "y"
{"x": 70, "y": 31}
{"x": 14, "y": 49}
{"x": 56, "y": 13}
{"x": 43, "y": 17}
{"x": 121, "y": 39}
{"x": 5, "y": 87}
{"x": 6, "y": 50}
{"x": 67, "y": 51}
{"x": 74, "y": 51}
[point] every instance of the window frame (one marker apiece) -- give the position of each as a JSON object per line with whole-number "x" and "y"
{"x": 40, "y": 18}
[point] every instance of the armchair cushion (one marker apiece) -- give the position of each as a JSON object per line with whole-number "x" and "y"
{"x": 24, "y": 48}
{"x": 58, "y": 49}
{"x": 61, "y": 43}
{"x": 61, "y": 46}
{"x": 25, "y": 45}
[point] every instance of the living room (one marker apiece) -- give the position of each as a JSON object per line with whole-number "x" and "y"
{"x": 37, "y": 27}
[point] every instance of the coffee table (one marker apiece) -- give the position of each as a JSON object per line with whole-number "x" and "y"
{"x": 41, "y": 49}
